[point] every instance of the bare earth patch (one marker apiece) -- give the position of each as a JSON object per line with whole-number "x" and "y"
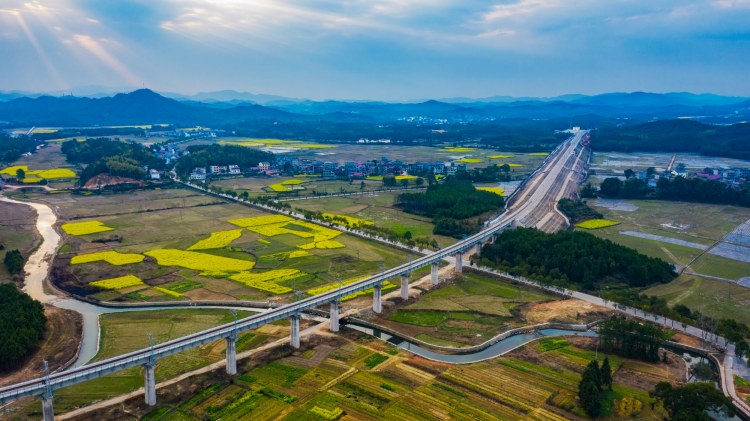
{"x": 564, "y": 311}
{"x": 59, "y": 346}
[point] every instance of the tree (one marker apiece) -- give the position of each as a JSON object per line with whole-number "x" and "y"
{"x": 14, "y": 261}
{"x": 389, "y": 180}
{"x": 588, "y": 191}
{"x": 22, "y": 324}
{"x": 629, "y": 173}
{"x": 611, "y": 187}
{"x": 606, "y": 373}
{"x": 404, "y": 182}
{"x": 650, "y": 172}
{"x": 20, "y": 174}
{"x": 590, "y": 390}
{"x": 362, "y": 185}
{"x": 419, "y": 181}
{"x": 407, "y": 235}
{"x": 692, "y": 401}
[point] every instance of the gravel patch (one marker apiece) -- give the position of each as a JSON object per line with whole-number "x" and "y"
{"x": 664, "y": 239}
{"x": 732, "y": 251}
{"x": 616, "y": 204}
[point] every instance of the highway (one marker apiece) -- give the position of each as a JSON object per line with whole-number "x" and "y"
{"x": 530, "y": 205}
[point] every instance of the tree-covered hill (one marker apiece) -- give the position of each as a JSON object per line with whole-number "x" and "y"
{"x": 574, "y": 258}
{"x": 676, "y": 136}
{"x": 22, "y": 323}
{"x": 206, "y": 155}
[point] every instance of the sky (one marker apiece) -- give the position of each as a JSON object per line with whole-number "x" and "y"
{"x": 377, "y": 49}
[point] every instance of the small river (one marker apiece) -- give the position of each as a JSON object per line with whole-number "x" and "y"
{"x": 498, "y": 348}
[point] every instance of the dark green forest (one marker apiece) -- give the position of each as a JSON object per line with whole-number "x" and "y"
{"x": 103, "y": 155}
{"x": 692, "y": 401}
{"x": 22, "y": 323}
{"x": 676, "y": 136}
{"x": 451, "y": 204}
{"x": 575, "y": 259}
{"x": 631, "y": 338}
{"x": 12, "y": 148}
{"x": 206, "y": 155}
{"x": 679, "y": 189}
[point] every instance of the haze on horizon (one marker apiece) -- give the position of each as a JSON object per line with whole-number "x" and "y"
{"x": 382, "y": 50}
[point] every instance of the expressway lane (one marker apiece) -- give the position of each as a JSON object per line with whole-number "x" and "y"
{"x": 537, "y": 192}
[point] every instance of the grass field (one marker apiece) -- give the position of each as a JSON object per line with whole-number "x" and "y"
{"x": 712, "y": 297}
{"x": 163, "y": 224}
{"x": 367, "y": 380}
{"x": 128, "y": 331}
{"x": 694, "y": 222}
{"x": 17, "y": 232}
{"x": 379, "y": 209}
{"x": 468, "y": 312}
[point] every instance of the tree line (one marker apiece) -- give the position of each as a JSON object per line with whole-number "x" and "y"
{"x": 22, "y": 324}
{"x": 451, "y": 205}
{"x": 207, "y": 155}
{"x": 573, "y": 259}
{"x": 679, "y": 188}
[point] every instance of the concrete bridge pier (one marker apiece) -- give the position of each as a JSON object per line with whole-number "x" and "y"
{"x": 232, "y": 355}
{"x": 48, "y": 414}
{"x": 294, "y": 342}
{"x": 434, "y": 273}
{"x": 405, "y": 286}
{"x": 334, "y": 316}
{"x": 459, "y": 262}
{"x": 478, "y": 248}
{"x": 377, "y": 296}
{"x": 150, "y": 385}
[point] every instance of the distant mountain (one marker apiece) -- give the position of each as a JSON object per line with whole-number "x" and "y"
{"x": 144, "y": 106}
{"x": 138, "y": 107}
{"x": 231, "y": 96}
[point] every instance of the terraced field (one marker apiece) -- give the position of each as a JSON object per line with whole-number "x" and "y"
{"x": 366, "y": 380}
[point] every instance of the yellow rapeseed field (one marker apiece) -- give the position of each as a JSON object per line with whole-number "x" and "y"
{"x": 280, "y": 188}
{"x": 173, "y": 294}
{"x": 199, "y": 261}
{"x": 500, "y": 156}
{"x": 217, "y": 240}
{"x": 593, "y": 224}
{"x": 349, "y": 221}
{"x": 84, "y": 228}
{"x": 118, "y": 283}
{"x": 456, "y": 149}
{"x": 294, "y": 181}
{"x": 268, "y": 281}
{"x": 496, "y": 190}
{"x": 539, "y": 154}
{"x": 111, "y": 257}
{"x": 12, "y": 170}
{"x": 53, "y": 173}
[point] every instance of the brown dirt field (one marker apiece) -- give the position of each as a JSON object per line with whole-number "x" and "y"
{"x": 59, "y": 346}
{"x": 688, "y": 340}
{"x": 564, "y": 311}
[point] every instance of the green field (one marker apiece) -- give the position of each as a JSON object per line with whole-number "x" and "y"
{"x": 366, "y": 380}
{"x": 694, "y": 222}
{"x": 715, "y": 298}
{"x": 468, "y": 312}
{"x": 379, "y": 209}
{"x": 177, "y": 219}
{"x": 128, "y": 331}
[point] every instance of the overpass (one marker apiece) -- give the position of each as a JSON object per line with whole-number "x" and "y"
{"x": 540, "y": 188}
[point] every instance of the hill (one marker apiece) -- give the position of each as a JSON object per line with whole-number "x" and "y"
{"x": 676, "y": 136}
{"x": 138, "y": 107}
